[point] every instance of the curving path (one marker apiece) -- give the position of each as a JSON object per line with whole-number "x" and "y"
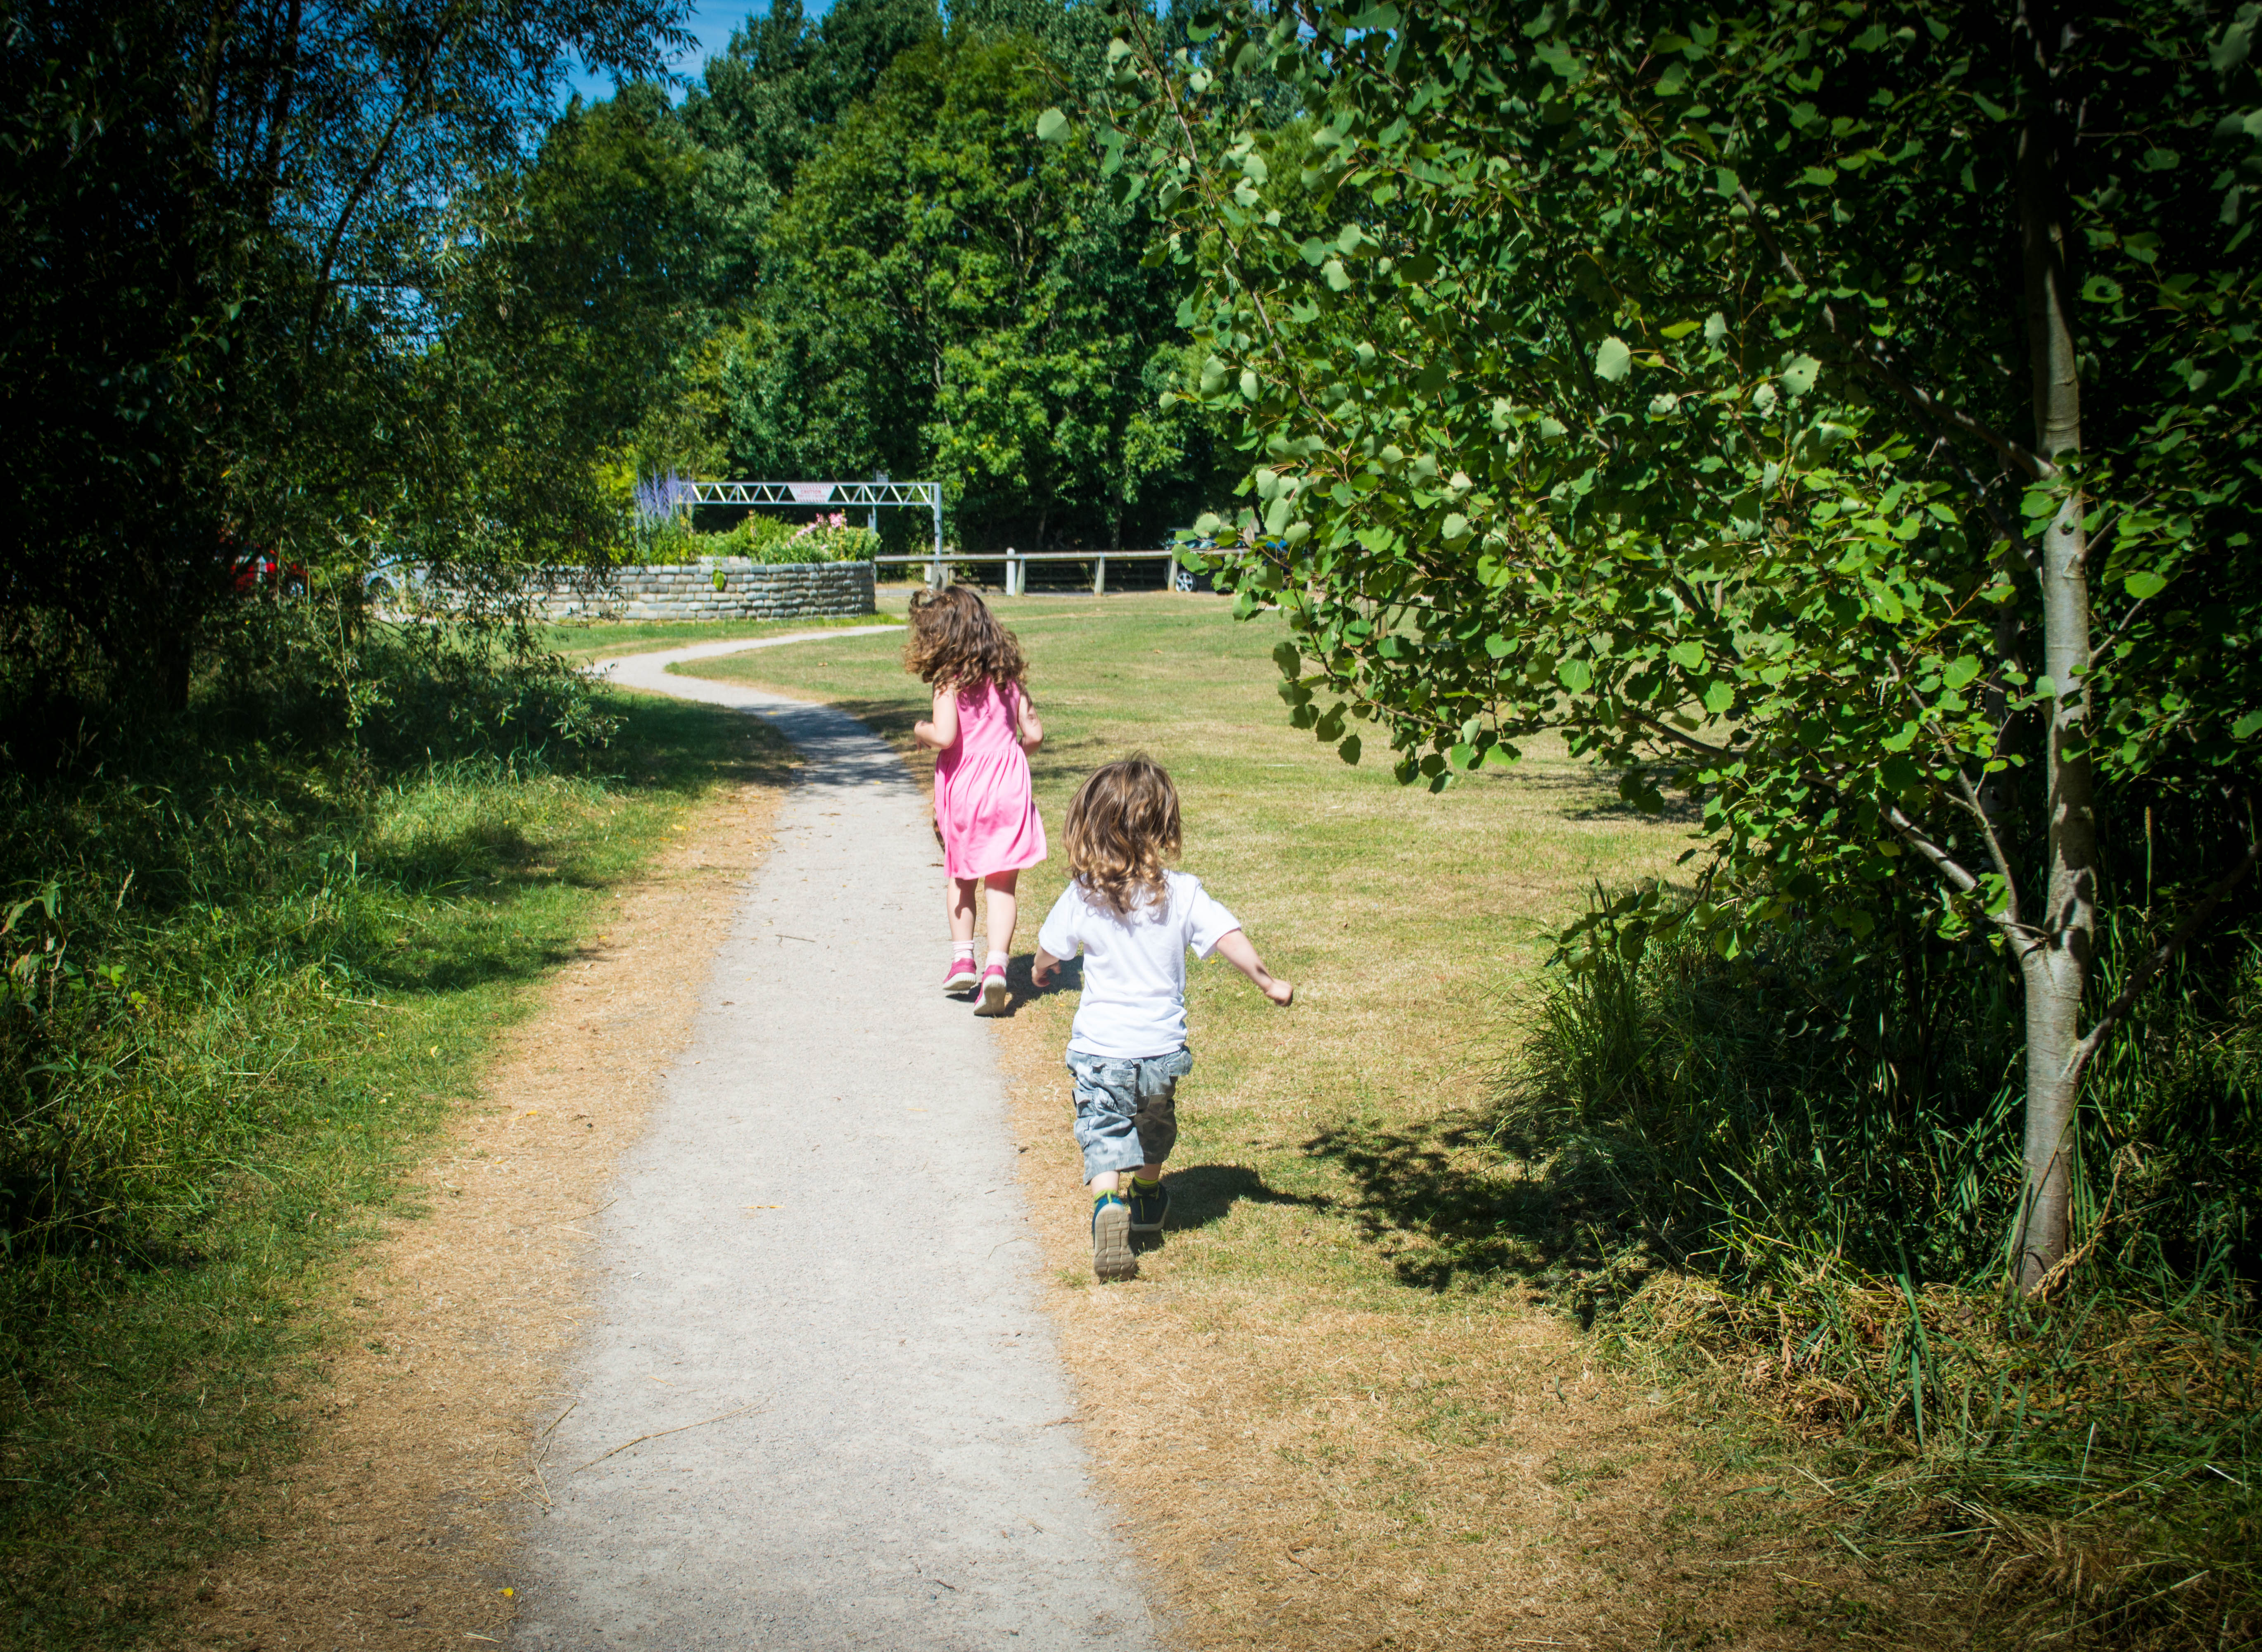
{"x": 817, "y": 1270}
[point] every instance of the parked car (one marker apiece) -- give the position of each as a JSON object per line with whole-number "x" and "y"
{"x": 1208, "y": 549}
{"x": 248, "y": 571}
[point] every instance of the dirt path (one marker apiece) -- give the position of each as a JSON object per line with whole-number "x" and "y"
{"x": 817, "y": 1403}
{"x": 398, "y": 1528}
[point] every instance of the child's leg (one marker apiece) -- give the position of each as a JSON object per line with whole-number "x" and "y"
{"x": 1157, "y": 1122}
{"x": 1003, "y": 909}
{"x": 1107, "y": 1122}
{"x": 958, "y": 895}
{"x": 1106, "y": 1101}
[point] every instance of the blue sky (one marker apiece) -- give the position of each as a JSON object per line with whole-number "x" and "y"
{"x": 711, "y": 22}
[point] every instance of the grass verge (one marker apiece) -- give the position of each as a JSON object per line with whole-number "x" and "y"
{"x": 308, "y": 1004}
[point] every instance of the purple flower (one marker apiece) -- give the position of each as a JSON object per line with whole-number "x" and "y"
{"x": 659, "y": 498}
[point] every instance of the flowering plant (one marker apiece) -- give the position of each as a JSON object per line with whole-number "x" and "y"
{"x": 659, "y": 499}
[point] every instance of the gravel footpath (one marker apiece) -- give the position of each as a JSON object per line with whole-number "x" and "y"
{"x": 817, "y": 1403}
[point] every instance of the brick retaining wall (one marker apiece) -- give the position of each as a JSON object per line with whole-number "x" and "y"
{"x": 749, "y": 590}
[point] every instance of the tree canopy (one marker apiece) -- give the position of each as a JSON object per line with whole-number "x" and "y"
{"x": 235, "y": 232}
{"x": 1842, "y": 414}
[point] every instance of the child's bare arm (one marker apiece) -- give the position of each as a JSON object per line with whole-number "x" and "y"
{"x": 943, "y": 732}
{"x": 1243, "y": 957}
{"x": 1040, "y": 972}
{"x": 1030, "y": 732}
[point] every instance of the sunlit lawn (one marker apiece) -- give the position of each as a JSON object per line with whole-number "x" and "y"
{"x": 1406, "y": 918}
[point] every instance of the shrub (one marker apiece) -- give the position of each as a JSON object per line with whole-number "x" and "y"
{"x": 1811, "y": 1165}
{"x": 758, "y": 539}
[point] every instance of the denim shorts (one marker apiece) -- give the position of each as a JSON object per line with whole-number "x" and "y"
{"x": 1127, "y": 1112}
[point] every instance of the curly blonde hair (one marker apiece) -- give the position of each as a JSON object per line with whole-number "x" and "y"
{"x": 957, "y": 643}
{"x": 1122, "y": 826}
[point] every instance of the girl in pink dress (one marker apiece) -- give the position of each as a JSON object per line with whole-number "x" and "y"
{"x": 985, "y": 810}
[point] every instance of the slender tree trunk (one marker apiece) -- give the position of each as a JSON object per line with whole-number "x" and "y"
{"x": 2055, "y": 962}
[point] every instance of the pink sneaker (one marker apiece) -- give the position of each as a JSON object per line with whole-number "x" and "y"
{"x": 993, "y": 991}
{"x": 960, "y": 976}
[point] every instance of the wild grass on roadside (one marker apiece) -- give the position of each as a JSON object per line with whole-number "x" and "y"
{"x": 1800, "y": 1187}
{"x": 254, "y": 970}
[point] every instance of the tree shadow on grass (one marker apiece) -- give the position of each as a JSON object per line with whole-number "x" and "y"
{"x": 1201, "y": 1194}
{"x": 1454, "y": 1209}
{"x": 1591, "y": 795}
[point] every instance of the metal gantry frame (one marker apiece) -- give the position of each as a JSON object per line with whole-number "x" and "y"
{"x": 872, "y": 495}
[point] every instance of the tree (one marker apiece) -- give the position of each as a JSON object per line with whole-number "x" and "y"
{"x": 232, "y": 230}
{"x": 892, "y": 275}
{"x": 1840, "y": 413}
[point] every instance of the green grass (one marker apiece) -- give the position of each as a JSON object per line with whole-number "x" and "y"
{"x": 605, "y": 639}
{"x": 1407, "y": 920}
{"x": 310, "y": 999}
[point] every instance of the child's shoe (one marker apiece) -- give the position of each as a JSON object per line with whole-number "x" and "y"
{"x": 993, "y": 991}
{"x": 1149, "y": 1204}
{"x": 1111, "y": 1239}
{"x": 961, "y": 977}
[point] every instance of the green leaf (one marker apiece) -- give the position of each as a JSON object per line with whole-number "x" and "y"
{"x": 1679, "y": 331}
{"x": 2143, "y": 583}
{"x": 1349, "y": 750}
{"x": 2243, "y": 729}
{"x": 1290, "y": 661}
{"x": 1613, "y": 361}
{"x": 1719, "y": 695}
{"x": 1052, "y": 126}
{"x": 1960, "y": 672}
{"x": 1798, "y": 375}
{"x": 1577, "y": 675}
{"x": 1688, "y": 654}
{"x": 1558, "y": 57}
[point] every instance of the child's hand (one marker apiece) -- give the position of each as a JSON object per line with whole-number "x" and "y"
{"x": 1041, "y": 969}
{"x": 1234, "y": 948}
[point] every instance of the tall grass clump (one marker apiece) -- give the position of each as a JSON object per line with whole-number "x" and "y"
{"x": 1812, "y": 1159}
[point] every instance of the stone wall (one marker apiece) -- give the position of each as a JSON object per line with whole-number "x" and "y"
{"x": 747, "y": 590}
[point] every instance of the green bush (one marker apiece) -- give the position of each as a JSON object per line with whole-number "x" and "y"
{"x": 1865, "y": 1106}
{"x": 757, "y": 537}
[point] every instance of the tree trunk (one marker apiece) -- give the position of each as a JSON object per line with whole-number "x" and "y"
{"x": 2056, "y": 961}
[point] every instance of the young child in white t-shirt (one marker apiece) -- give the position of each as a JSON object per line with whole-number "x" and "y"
{"x": 1133, "y": 922}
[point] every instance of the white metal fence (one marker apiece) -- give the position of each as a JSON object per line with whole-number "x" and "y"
{"x": 1017, "y": 564}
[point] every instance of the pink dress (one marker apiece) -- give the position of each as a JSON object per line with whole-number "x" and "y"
{"x": 984, "y": 805}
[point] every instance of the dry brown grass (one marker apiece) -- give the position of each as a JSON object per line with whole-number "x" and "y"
{"x": 397, "y": 1527}
{"x": 1309, "y": 1464}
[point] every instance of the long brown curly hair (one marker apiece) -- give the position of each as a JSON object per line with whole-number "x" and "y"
{"x": 1122, "y": 826}
{"x": 957, "y": 643}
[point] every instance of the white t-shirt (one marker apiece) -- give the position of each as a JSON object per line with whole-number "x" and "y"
{"x": 1134, "y": 969}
